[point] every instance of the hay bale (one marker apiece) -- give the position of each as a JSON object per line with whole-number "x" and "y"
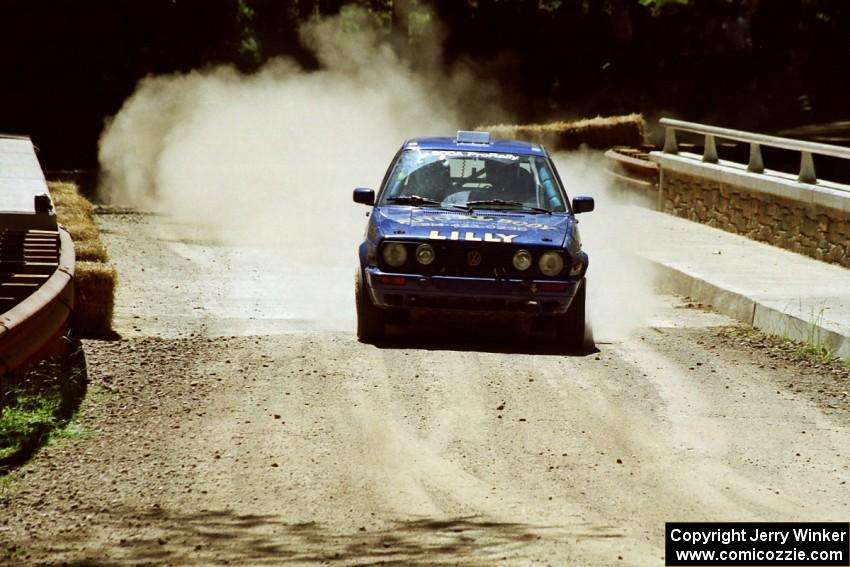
{"x": 90, "y": 251}
{"x": 597, "y": 133}
{"x": 73, "y": 211}
{"x": 94, "y": 279}
{"x": 94, "y": 303}
{"x": 67, "y": 199}
{"x": 81, "y": 230}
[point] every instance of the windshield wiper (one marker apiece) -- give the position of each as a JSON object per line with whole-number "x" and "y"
{"x": 537, "y": 210}
{"x": 494, "y": 202}
{"x": 413, "y": 200}
{"x": 506, "y": 203}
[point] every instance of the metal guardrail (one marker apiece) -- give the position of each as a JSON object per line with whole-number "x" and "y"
{"x": 30, "y": 328}
{"x": 756, "y": 141}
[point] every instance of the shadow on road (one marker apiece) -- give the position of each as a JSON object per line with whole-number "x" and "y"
{"x": 481, "y": 334}
{"x": 226, "y": 537}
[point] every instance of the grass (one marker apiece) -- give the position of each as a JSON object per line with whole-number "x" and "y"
{"x": 597, "y": 133}
{"x": 807, "y": 352}
{"x": 94, "y": 278}
{"x": 37, "y": 401}
{"x": 812, "y": 348}
{"x": 815, "y": 353}
{"x": 28, "y": 421}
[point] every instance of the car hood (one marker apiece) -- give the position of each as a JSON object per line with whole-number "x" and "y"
{"x": 488, "y": 226}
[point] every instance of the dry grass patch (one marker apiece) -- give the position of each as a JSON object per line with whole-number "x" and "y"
{"x": 597, "y": 133}
{"x": 94, "y": 277}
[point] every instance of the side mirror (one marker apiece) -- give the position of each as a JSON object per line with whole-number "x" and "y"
{"x": 364, "y": 196}
{"x": 582, "y": 205}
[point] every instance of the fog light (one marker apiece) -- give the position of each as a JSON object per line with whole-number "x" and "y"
{"x": 395, "y": 254}
{"x": 551, "y": 263}
{"x": 522, "y": 260}
{"x": 425, "y": 254}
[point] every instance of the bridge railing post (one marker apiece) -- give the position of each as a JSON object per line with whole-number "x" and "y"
{"x": 756, "y": 164}
{"x": 807, "y": 168}
{"x": 670, "y": 145}
{"x": 709, "y": 155}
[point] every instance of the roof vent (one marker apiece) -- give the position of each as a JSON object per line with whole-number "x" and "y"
{"x": 464, "y": 137}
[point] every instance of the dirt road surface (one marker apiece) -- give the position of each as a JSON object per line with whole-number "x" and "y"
{"x": 226, "y": 427}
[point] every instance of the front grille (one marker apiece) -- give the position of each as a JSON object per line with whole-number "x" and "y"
{"x": 451, "y": 260}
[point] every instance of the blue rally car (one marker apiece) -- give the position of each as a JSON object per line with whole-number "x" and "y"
{"x": 472, "y": 224}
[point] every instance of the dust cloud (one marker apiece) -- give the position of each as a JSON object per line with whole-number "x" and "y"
{"x": 270, "y": 159}
{"x": 621, "y": 294}
{"x": 264, "y": 164}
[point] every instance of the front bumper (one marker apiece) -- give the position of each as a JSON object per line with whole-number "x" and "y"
{"x": 412, "y": 291}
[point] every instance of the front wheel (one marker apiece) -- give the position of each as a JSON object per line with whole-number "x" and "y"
{"x": 370, "y": 319}
{"x": 571, "y": 329}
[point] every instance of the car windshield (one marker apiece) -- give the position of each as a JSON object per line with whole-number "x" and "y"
{"x": 487, "y": 180}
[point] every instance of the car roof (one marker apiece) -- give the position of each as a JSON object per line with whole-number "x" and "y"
{"x": 496, "y": 146}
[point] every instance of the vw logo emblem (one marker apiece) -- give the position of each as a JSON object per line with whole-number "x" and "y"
{"x": 473, "y": 258}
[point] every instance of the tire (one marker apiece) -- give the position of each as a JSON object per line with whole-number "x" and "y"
{"x": 570, "y": 328}
{"x": 370, "y": 319}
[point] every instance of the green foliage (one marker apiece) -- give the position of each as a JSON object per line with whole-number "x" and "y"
{"x": 549, "y": 5}
{"x": 354, "y": 19}
{"x": 249, "y": 45}
{"x": 419, "y": 21}
{"x": 660, "y": 3}
{"x": 656, "y": 5}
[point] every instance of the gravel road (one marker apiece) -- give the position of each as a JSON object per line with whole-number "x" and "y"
{"x": 227, "y": 427}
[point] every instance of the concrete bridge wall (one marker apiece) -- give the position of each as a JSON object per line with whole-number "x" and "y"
{"x": 771, "y": 207}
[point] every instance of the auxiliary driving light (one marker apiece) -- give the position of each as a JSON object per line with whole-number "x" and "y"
{"x": 395, "y": 254}
{"x": 522, "y": 260}
{"x": 425, "y": 254}
{"x": 551, "y": 263}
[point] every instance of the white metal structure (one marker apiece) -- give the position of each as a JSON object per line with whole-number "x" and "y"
{"x": 756, "y": 141}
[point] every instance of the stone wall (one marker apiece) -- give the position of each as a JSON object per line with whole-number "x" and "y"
{"x": 810, "y": 220}
{"x": 817, "y": 231}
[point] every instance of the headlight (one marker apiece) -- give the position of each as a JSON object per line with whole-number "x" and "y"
{"x": 522, "y": 260}
{"x": 425, "y": 254}
{"x": 551, "y": 263}
{"x": 395, "y": 254}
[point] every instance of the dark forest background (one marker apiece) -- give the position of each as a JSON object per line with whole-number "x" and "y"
{"x": 752, "y": 64}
